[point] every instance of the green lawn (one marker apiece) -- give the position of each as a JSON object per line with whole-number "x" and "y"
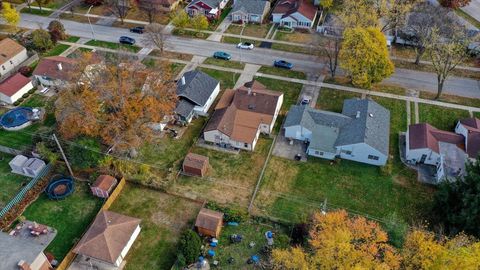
{"x": 290, "y": 90}
{"x": 291, "y": 48}
{"x": 113, "y": 45}
{"x": 70, "y": 217}
{"x": 251, "y": 30}
{"x": 57, "y": 50}
{"x": 282, "y": 72}
{"x": 441, "y": 117}
{"x": 235, "y": 40}
{"x": 332, "y": 99}
{"x": 227, "y": 79}
{"x": 35, "y": 100}
{"x": 19, "y": 140}
{"x": 73, "y": 39}
{"x": 224, "y": 63}
{"x": 163, "y": 219}
{"x": 189, "y": 33}
{"x": 476, "y": 114}
{"x": 33, "y": 11}
{"x": 10, "y": 183}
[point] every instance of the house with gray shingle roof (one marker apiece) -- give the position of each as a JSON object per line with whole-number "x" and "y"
{"x": 196, "y": 92}
{"x": 249, "y": 11}
{"x": 360, "y": 133}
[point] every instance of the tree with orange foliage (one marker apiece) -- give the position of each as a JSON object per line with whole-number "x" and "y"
{"x": 339, "y": 241}
{"x": 116, "y": 102}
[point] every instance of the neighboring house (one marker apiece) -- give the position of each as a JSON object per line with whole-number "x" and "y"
{"x": 241, "y": 115}
{"x": 195, "y": 164}
{"x": 294, "y": 13}
{"x": 360, "y": 133}
{"x": 54, "y": 71}
{"x": 210, "y": 8}
{"x": 109, "y": 239}
{"x": 103, "y": 186}
{"x": 159, "y": 5}
{"x": 209, "y": 222}
{"x": 249, "y": 11}
{"x": 447, "y": 151}
{"x": 14, "y": 87}
{"x": 12, "y": 54}
{"x": 196, "y": 92}
{"x": 23, "y": 250}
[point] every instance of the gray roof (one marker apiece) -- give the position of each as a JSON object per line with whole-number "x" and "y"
{"x": 184, "y": 108}
{"x": 329, "y": 129}
{"x": 198, "y": 87}
{"x": 15, "y": 249}
{"x": 250, "y": 6}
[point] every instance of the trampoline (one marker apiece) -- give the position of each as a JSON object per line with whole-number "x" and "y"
{"x": 60, "y": 188}
{"x": 17, "y": 118}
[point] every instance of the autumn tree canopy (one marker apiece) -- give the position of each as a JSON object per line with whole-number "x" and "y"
{"x": 116, "y": 102}
{"x": 454, "y": 3}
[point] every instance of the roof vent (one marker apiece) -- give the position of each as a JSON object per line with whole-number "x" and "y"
{"x": 357, "y": 115}
{"x": 183, "y": 80}
{"x": 59, "y": 66}
{"x": 370, "y": 114}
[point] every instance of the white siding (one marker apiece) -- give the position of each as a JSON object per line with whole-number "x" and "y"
{"x": 321, "y": 154}
{"x": 217, "y": 137}
{"x": 202, "y": 110}
{"x": 276, "y": 17}
{"x": 45, "y": 81}
{"x": 295, "y": 20}
{"x": 39, "y": 261}
{"x": 17, "y": 95}
{"x": 127, "y": 247}
{"x": 361, "y": 152}
{"x": 13, "y": 62}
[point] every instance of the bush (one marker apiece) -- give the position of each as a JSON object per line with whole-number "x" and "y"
{"x": 16, "y": 103}
{"x": 25, "y": 95}
{"x": 230, "y": 214}
{"x": 84, "y": 153}
{"x": 190, "y": 246}
{"x": 25, "y": 71}
{"x": 31, "y": 91}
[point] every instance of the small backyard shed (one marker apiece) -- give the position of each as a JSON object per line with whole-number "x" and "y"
{"x": 30, "y": 167}
{"x": 195, "y": 164}
{"x": 209, "y": 222}
{"x": 103, "y": 186}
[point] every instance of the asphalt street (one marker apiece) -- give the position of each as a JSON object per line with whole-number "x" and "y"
{"x": 406, "y": 78}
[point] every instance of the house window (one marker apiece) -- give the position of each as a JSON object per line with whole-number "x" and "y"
{"x": 318, "y": 153}
{"x": 372, "y": 157}
{"x": 3, "y": 67}
{"x": 245, "y": 145}
{"x": 347, "y": 152}
{"x": 11, "y": 62}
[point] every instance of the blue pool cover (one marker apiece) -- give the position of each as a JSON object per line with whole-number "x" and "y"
{"x": 16, "y": 117}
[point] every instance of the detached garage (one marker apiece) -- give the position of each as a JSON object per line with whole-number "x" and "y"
{"x": 14, "y": 87}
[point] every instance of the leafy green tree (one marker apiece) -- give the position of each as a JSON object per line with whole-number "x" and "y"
{"x": 457, "y": 203}
{"x": 41, "y": 40}
{"x": 365, "y": 57}
{"x": 190, "y": 245}
{"x": 199, "y": 22}
{"x": 180, "y": 19}
{"x": 84, "y": 153}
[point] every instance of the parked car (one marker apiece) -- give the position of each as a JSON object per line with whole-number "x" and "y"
{"x": 245, "y": 45}
{"x": 126, "y": 40}
{"x": 305, "y": 100}
{"x": 282, "y": 64}
{"x": 137, "y": 29}
{"x": 222, "y": 55}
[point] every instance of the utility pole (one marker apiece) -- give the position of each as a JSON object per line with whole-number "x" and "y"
{"x": 63, "y": 155}
{"x": 324, "y": 207}
{"x": 88, "y": 17}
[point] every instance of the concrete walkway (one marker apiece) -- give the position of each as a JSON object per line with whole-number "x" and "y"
{"x": 247, "y": 75}
{"x": 217, "y": 34}
{"x": 310, "y": 90}
{"x": 193, "y": 64}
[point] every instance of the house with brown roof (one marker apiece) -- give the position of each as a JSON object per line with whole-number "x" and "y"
{"x": 103, "y": 186}
{"x": 12, "y": 55}
{"x": 447, "y": 151}
{"x": 54, "y": 71}
{"x": 195, "y": 164}
{"x": 108, "y": 240}
{"x": 294, "y": 13}
{"x": 14, "y": 88}
{"x": 209, "y": 222}
{"x": 241, "y": 115}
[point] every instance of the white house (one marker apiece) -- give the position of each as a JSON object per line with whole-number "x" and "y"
{"x": 241, "y": 115}
{"x": 196, "y": 91}
{"x": 54, "y": 71}
{"x": 249, "y": 11}
{"x": 109, "y": 239}
{"x": 12, "y": 55}
{"x": 360, "y": 133}
{"x": 14, "y": 88}
{"x": 294, "y": 13}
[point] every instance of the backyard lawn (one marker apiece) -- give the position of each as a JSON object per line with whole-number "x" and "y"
{"x": 113, "y": 45}
{"x": 282, "y": 72}
{"x": 163, "y": 219}
{"x": 332, "y": 99}
{"x": 440, "y": 117}
{"x": 70, "y": 217}
{"x": 251, "y": 30}
{"x": 224, "y": 63}
{"x": 19, "y": 140}
{"x": 10, "y": 183}
{"x": 227, "y": 79}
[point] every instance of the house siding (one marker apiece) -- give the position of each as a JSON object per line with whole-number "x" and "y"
{"x": 13, "y": 62}
{"x": 321, "y": 154}
{"x": 298, "y": 133}
{"x": 18, "y": 95}
{"x": 202, "y": 110}
{"x": 295, "y": 20}
{"x": 217, "y": 137}
{"x": 48, "y": 82}
{"x": 129, "y": 244}
{"x": 361, "y": 152}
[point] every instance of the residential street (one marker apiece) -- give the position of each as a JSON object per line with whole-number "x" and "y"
{"x": 406, "y": 78}
{"x": 473, "y": 9}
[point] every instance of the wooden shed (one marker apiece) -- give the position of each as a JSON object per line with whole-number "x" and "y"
{"x": 103, "y": 186}
{"x": 209, "y": 222}
{"x": 195, "y": 164}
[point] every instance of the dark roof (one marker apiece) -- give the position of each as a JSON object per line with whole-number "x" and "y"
{"x": 198, "y": 87}
{"x": 48, "y": 66}
{"x": 107, "y": 236}
{"x": 250, "y": 6}
{"x": 13, "y": 84}
{"x": 473, "y": 139}
{"x": 193, "y": 160}
{"x": 424, "y": 135}
{"x": 105, "y": 182}
{"x": 209, "y": 219}
{"x": 288, "y": 7}
{"x": 210, "y": 3}
{"x": 184, "y": 108}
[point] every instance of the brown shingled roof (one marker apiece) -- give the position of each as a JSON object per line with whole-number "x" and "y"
{"x": 48, "y": 66}
{"x": 8, "y": 49}
{"x": 13, "y": 84}
{"x": 209, "y": 219}
{"x": 473, "y": 140}
{"x": 288, "y": 7}
{"x": 195, "y": 161}
{"x": 105, "y": 182}
{"x": 424, "y": 135}
{"x": 107, "y": 236}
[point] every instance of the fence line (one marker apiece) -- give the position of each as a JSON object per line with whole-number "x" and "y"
{"x": 114, "y": 194}
{"x": 9, "y": 150}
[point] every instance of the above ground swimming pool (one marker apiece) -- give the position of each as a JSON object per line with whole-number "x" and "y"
{"x": 16, "y": 118}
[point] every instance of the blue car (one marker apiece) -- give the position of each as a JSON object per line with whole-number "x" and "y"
{"x": 222, "y": 55}
{"x": 282, "y": 64}
{"x": 126, "y": 40}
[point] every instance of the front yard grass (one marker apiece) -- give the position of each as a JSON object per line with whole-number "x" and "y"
{"x": 35, "y": 11}
{"x": 56, "y": 50}
{"x": 224, "y": 63}
{"x": 441, "y": 117}
{"x": 290, "y": 91}
{"x": 70, "y": 217}
{"x": 298, "y": 37}
{"x": 292, "y": 48}
{"x": 10, "y": 183}
{"x": 72, "y": 39}
{"x": 236, "y": 40}
{"x": 189, "y": 33}
{"x": 473, "y": 102}
{"x": 251, "y": 30}
{"x": 227, "y": 79}
{"x": 113, "y": 45}
{"x": 163, "y": 219}
{"x": 332, "y": 99}
{"x": 282, "y": 72}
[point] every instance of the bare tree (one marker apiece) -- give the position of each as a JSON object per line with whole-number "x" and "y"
{"x": 330, "y": 47}
{"x": 154, "y": 36}
{"x": 119, "y": 8}
{"x": 149, "y": 8}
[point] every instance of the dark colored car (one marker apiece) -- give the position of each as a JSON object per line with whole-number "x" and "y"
{"x": 222, "y": 55}
{"x": 282, "y": 64}
{"x": 137, "y": 29}
{"x": 126, "y": 40}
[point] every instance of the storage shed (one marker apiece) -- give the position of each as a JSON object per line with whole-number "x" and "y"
{"x": 209, "y": 222}
{"x": 103, "y": 186}
{"x": 195, "y": 164}
{"x": 30, "y": 167}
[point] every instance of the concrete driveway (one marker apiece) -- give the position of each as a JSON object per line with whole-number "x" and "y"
{"x": 288, "y": 149}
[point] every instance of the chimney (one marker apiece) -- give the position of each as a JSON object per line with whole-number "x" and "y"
{"x": 249, "y": 91}
{"x": 183, "y": 80}
{"x": 59, "y": 66}
{"x": 22, "y": 265}
{"x": 357, "y": 115}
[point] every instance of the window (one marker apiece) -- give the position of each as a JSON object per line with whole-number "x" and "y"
{"x": 347, "y": 152}
{"x": 245, "y": 144}
{"x": 318, "y": 153}
{"x": 373, "y": 157}
{"x": 3, "y": 67}
{"x": 11, "y": 62}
